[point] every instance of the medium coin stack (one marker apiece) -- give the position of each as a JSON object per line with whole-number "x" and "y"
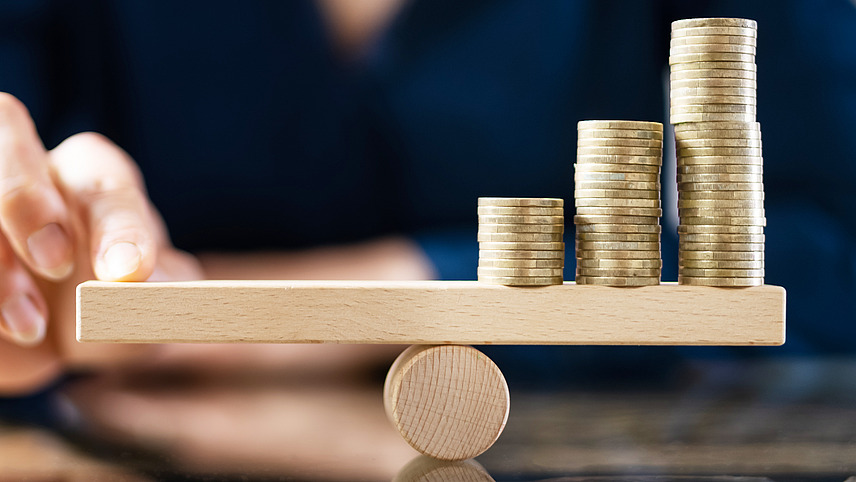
{"x": 617, "y": 199}
{"x": 720, "y": 167}
{"x": 520, "y": 241}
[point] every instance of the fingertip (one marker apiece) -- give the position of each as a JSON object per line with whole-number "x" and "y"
{"x": 122, "y": 261}
{"x": 51, "y": 251}
{"x": 23, "y": 321}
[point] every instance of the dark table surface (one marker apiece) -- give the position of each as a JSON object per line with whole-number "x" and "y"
{"x": 781, "y": 420}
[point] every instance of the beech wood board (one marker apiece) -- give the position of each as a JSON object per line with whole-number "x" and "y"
{"x": 427, "y": 312}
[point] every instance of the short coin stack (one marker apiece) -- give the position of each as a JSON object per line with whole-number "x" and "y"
{"x": 720, "y": 167}
{"x": 520, "y": 241}
{"x": 617, "y": 199}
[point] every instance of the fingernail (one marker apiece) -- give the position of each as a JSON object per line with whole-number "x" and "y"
{"x": 23, "y": 320}
{"x": 51, "y": 251}
{"x": 122, "y": 260}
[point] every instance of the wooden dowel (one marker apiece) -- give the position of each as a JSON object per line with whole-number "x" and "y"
{"x": 449, "y": 402}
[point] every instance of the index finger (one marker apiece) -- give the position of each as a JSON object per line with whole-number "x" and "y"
{"x": 33, "y": 215}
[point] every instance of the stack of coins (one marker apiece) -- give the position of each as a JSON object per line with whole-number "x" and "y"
{"x": 720, "y": 167}
{"x": 617, "y": 199}
{"x": 520, "y": 241}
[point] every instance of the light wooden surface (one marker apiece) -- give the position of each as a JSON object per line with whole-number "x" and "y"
{"x": 427, "y": 312}
{"x": 427, "y": 469}
{"x": 449, "y": 402}
{"x": 29, "y": 454}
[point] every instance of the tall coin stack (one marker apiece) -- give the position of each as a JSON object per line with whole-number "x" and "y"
{"x": 720, "y": 168}
{"x": 617, "y": 199}
{"x": 520, "y": 241}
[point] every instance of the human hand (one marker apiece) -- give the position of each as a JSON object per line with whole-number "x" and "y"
{"x": 77, "y": 212}
{"x": 288, "y": 422}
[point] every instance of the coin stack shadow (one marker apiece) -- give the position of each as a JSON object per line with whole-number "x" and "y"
{"x": 520, "y": 241}
{"x": 720, "y": 167}
{"x": 617, "y": 199}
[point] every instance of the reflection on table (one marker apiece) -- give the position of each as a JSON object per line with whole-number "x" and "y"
{"x": 779, "y": 420}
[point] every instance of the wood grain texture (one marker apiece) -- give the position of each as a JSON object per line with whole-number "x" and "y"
{"x": 449, "y": 402}
{"x": 427, "y": 312}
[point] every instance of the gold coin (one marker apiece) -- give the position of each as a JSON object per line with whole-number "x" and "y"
{"x": 719, "y": 151}
{"x": 719, "y": 160}
{"x": 721, "y": 203}
{"x": 688, "y": 195}
{"x": 722, "y": 282}
{"x": 505, "y": 219}
{"x": 687, "y": 246}
{"x": 713, "y": 39}
{"x": 706, "y": 74}
{"x": 711, "y": 57}
{"x": 619, "y": 134}
{"x": 680, "y": 104}
{"x": 605, "y": 202}
{"x": 612, "y": 167}
{"x": 722, "y": 255}
{"x": 711, "y": 48}
{"x": 619, "y": 159}
{"x": 713, "y": 92}
{"x": 618, "y": 142}
{"x": 712, "y": 212}
{"x": 714, "y": 22}
{"x": 588, "y": 280}
{"x": 719, "y": 178}
{"x": 618, "y": 211}
{"x": 522, "y": 280}
{"x": 714, "y": 126}
{"x": 617, "y": 176}
{"x": 629, "y": 185}
{"x": 720, "y": 186}
{"x": 677, "y": 109}
{"x": 521, "y": 263}
{"x": 619, "y": 245}
{"x": 621, "y": 151}
{"x": 520, "y": 237}
{"x": 725, "y": 103}
{"x": 722, "y": 134}
{"x": 616, "y": 193}
{"x": 583, "y": 236}
{"x": 711, "y": 117}
{"x": 718, "y": 229}
{"x": 524, "y": 246}
{"x": 716, "y": 83}
{"x": 713, "y": 65}
{"x": 618, "y": 272}
{"x": 717, "y": 30}
{"x": 617, "y": 254}
{"x": 520, "y": 254}
{"x": 637, "y": 220}
{"x": 620, "y": 263}
{"x": 710, "y": 109}
{"x": 717, "y": 142}
{"x": 711, "y": 264}
{"x": 722, "y": 238}
{"x": 690, "y": 213}
{"x": 521, "y": 202}
{"x": 620, "y": 228}
{"x": 724, "y": 220}
{"x": 521, "y": 228}
{"x": 515, "y": 272}
{"x": 701, "y": 169}
{"x": 620, "y": 124}
{"x": 520, "y": 211}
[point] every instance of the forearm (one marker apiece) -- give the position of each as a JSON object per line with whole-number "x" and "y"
{"x": 382, "y": 258}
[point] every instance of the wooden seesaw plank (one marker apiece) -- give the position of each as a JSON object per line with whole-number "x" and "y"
{"x": 427, "y": 312}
